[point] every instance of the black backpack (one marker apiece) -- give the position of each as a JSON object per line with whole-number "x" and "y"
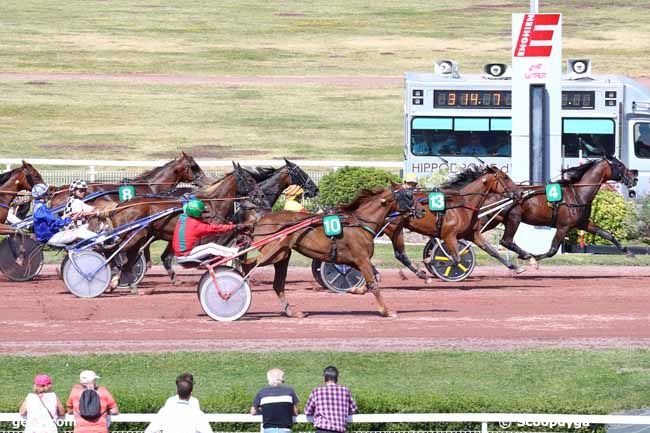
{"x": 90, "y": 407}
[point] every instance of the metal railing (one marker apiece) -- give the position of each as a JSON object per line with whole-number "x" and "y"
{"x": 502, "y": 421}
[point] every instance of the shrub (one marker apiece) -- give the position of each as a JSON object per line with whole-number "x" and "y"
{"x": 342, "y": 185}
{"x": 612, "y": 213}
{"x": 643, "y": 219}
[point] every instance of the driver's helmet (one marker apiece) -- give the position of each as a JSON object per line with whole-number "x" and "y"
{"x": 39, "y": 190}
{"x": 293, "y": 191}
{"x": 410, "y": 178}
{"x": 78, "y": 184}
{"x": 194, "y": 208}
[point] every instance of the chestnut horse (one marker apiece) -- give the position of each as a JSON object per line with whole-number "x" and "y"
{"x": 464, "y": 195}
{"x": 579, "y": 188}
{"x": 21, "y": 178}
{"x": 361, "y": 219}
{"x": 160, "y": 179}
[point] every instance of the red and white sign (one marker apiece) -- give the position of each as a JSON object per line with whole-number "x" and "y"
{"x": 536, "y": 35}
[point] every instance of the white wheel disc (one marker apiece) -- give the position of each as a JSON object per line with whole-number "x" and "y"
{"x": 231, "y": 301}
{"x": 91, "y": 275}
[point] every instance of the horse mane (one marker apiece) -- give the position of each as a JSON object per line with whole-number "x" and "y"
{"x": 261, "y": 173}
{"x": 4, "y": 177}
{"x": 574, "y": 174}
{"x": 362, "y": 197}
{"x": 467, "y": 176}
{"x": 210, "y": 189}
{"x": 148, "y": 175}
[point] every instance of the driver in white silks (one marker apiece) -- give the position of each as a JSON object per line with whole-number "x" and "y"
{"x": 76, "y": 210}
{"x": 190, "y": 229}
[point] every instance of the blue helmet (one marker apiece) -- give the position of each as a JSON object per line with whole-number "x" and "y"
{"x": 39, "y": 190}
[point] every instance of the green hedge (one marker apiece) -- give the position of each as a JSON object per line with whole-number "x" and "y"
{"x": 342, "y": 185}
{"x": 612, "y": 213}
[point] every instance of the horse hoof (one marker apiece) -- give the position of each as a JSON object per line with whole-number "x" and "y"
{"x": 429, "y": 280}
{"x": 402, "y": 275}
{"x": 134, "y": 289}
{"x": 533, "y": 262}
{"x": 295, "y": 314}
{"x": 149, "y": 291}
{"x": 519, "y": 270}
{"x": 114, "y": 282}
{"x": 388, "y": 313}
{"x": 149, "y": 265}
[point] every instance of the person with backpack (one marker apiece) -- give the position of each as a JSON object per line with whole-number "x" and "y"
{"x": 42, "y": 407}
{"x": 91, "y": 405}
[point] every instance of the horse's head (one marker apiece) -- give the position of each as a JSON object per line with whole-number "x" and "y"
{"x": 620, "y": 173}
{"x": 502, "y": 184}
{"x": 246, "y": 185}
{"x": 404, "y": 201}
{"x": 299, "y": 177}
{"x": 30, "y": 177}
{"x": 188, "y": 170}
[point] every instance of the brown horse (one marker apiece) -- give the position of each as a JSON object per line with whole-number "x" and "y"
{"x": 21, "y": 178}
{"x": 158, "y": 180}
{"x": 579, "y": 188}
{"x": 219, "y": 199}
{"x": 361, "y": 219}
{"x": 464, "y": 195}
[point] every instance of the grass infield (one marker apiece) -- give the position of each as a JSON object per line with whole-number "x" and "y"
{"x": 545, "y": 381}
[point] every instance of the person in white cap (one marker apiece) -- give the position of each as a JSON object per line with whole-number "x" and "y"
{"x": 91, "y": 405}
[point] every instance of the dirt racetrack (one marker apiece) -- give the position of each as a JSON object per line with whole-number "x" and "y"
{"x": 552, "y": 307}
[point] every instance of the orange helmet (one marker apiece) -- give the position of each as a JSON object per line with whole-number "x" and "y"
{"x": 293, "y": 191}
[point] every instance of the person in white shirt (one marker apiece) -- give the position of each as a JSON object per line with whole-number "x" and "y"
{"x": 41, "y": 408}
{"x": 180, "y": 416}
{"x": 77, "y": 210}
{"x": 189, "y": 377}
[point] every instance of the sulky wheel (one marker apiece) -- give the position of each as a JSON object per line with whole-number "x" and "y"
{"x": 340, "y": 278}
{"x": 229, "y": 299}
{"x": 441, "y": 264}
{"x": 21, "y": 257}
{"x": 315, "y": 271}
{"x": 86, "y": 274}
{"x": 137, "y": 271}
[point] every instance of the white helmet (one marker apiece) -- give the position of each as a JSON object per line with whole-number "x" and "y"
{"x": 78, "y": 184}
{"x": 39, "y": 190}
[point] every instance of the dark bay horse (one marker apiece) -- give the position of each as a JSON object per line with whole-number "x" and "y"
{"x": 579, "y": 187}
{"x": 361, "y": 219}
{"x": 465, "y": 194}
{"x": 20, "y": 178}
{"x": 218, "y": 197}
{"x": 272, "y": 181}
{"x": 158, "y": 180}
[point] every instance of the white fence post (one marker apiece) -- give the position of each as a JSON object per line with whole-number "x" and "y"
{"x": 484, "y": 427}
{"x": 91, "y": 173}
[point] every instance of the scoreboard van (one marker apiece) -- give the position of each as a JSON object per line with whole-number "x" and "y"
{"x": 453, "y": 121}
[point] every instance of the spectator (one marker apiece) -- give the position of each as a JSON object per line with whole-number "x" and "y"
{"x": 194, "y": 402}
{"x": 330, "y": 404}
{"x": 91, "y": 405}
{"x": 180, "y": 416}
{"x": 42, "y": 407}
{"x": 276, "y": 403}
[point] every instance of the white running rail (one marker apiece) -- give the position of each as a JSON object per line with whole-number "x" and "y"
{"x": 504, "y": 421}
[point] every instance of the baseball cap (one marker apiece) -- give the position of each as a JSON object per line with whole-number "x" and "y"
{"x": 42, "y": 380}
{"x": 87, "y": 376}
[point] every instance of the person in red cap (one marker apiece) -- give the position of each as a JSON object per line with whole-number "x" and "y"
{"x": 41, "y": 408}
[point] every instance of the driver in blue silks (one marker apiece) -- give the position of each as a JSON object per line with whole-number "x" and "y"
{"x": 46, "y": 224}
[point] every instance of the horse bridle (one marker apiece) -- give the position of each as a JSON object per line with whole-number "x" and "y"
{"x": 297, "y": 176}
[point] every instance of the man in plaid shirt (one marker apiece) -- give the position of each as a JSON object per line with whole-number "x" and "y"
{"x": 330, "y": 404}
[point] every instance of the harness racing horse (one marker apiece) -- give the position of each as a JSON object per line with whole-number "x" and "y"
{"x": 579, "y": 188}
{"x": 219, "y": 198}
{"x": 155, "y": 181}
{"x": 464, "y": 195}
{"x": 361, "y": 219}
{"x": 20, "y": 178}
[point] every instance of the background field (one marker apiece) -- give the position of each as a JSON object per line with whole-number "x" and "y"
{"x": 123, "y": 115}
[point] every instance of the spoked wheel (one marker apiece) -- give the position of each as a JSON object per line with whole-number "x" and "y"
{"x": 442, "y": 265}
{"x": 86, "y": 274}
{"x": 21, "y": 258}
{"x": 315, "y": 271}
{"x": 231, "y": 297}
{"x": 340, "y": 278}
{"x": 137, "y": 273}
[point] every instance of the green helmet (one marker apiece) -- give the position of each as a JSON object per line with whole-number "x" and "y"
{"x": 194, "y": 208}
